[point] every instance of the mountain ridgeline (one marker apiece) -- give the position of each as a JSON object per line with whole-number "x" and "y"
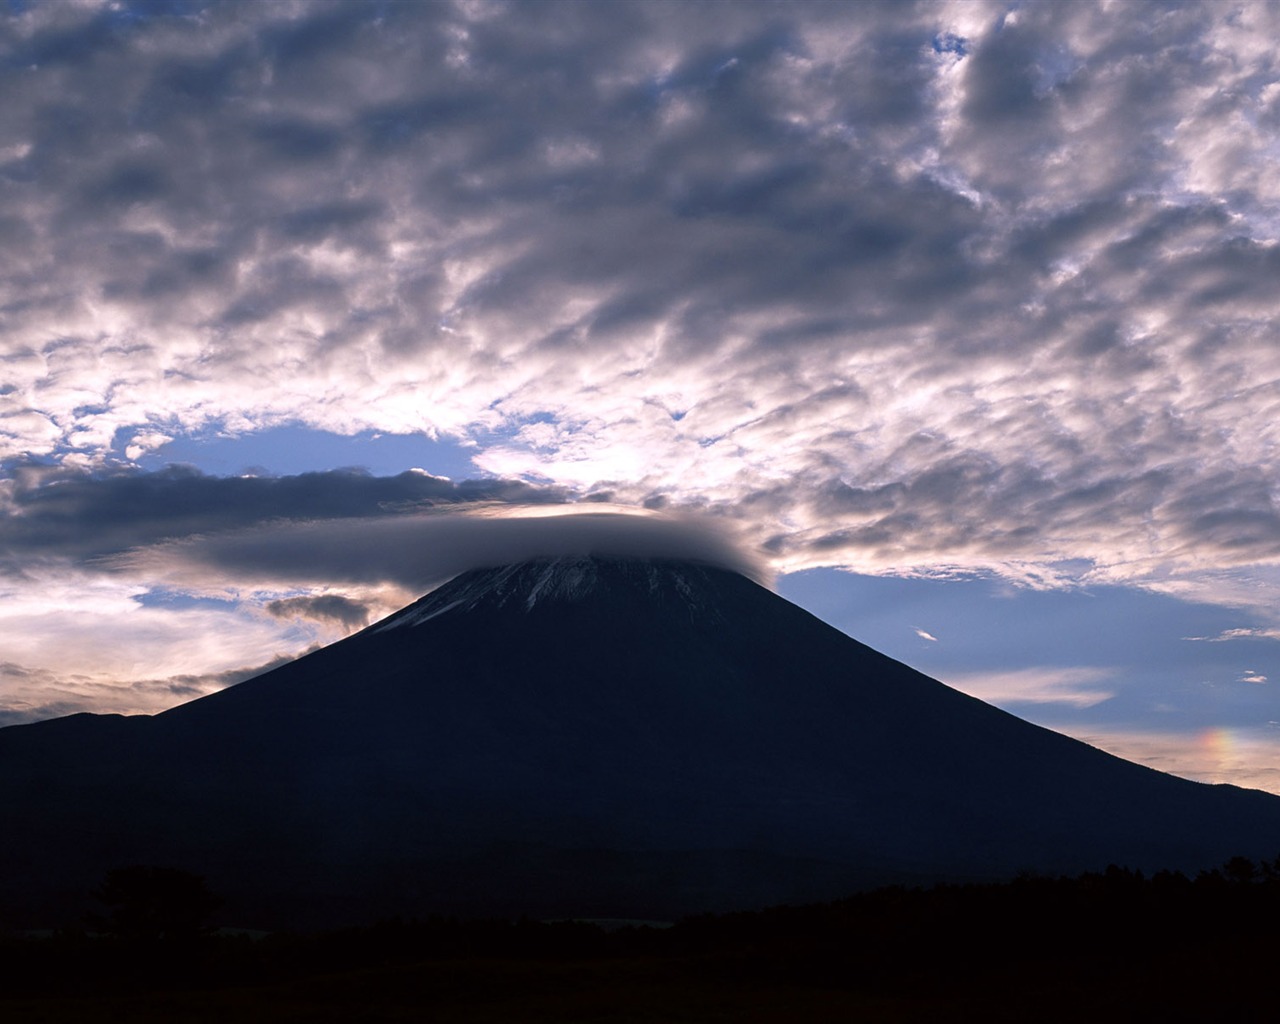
{"x": 590, "y": 736}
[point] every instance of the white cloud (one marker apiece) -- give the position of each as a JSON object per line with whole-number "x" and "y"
{"x": 1075, "y": 687}
{"x": 77, "y": 641}
{"x": 1239, "y": 633}
{"x": 897, "y": 354}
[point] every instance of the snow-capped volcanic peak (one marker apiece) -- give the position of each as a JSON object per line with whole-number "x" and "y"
{"x": 604, "y": 735}
{"x": 566, "y": 579}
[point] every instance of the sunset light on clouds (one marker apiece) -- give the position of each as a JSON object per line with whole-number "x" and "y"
{"x": 960, "y": 319}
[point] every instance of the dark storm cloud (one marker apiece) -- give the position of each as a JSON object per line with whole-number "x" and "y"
{"x": 332, "y": 607}
{"x": 342, "y": 525}
{"x": 57, "y": 512}
{"x": 421, "y": 551}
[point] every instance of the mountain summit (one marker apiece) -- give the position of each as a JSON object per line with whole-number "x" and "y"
{"x": 584, "y": 736}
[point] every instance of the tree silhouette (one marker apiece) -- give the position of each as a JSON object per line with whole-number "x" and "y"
{"x": 148, "y": 903}
{"x": 1241, "y": 870}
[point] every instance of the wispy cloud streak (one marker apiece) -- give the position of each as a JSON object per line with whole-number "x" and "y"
{"x": 1072, "y": 687}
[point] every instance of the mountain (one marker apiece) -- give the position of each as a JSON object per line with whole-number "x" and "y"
{"x": 603, "y": 737}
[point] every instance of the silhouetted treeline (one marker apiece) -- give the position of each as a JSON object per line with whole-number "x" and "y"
{"x": 1033, "y": 945}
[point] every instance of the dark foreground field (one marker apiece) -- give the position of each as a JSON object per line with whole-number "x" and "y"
{"x": 1102, "y": 947}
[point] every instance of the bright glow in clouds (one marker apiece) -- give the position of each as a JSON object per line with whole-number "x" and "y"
{"x": 88, "y": 644}
{"x": 915, "y": 289}
{"x": 1242, "y": 757}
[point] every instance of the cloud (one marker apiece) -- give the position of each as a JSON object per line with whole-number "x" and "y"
{"x": 324, "y": 607}
{"x": 1239, "y": 756}
{"x": 49, "y": 511}
{"x": 418, "y": 552}
{"x": 1251, "y": 676}
{"x": 32, "y": 695}
{"x": 1239, "y": 633}
{"x": 84, "y": 642}
{"x": 1074, "y": 687}
{"x": 894, "y": 284}
{"x": 924, "y": 635}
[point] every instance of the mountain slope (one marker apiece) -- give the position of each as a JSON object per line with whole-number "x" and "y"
{"x": 607, "y": 737}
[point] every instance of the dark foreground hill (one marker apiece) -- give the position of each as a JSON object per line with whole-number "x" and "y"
{"x": 584, "y": 737}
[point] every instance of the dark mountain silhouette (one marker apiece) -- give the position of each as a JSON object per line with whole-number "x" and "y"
{"x": 591, "y": 736}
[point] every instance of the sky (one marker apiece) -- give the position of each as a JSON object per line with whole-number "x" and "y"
{"x": 956, "y": 319}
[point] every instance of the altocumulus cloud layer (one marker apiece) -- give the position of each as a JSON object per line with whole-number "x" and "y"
{"x": 898, "y": 283}
{"x": 891, "y": 286}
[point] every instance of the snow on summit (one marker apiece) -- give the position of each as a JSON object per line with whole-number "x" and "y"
{"x": 564, "y": 579}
